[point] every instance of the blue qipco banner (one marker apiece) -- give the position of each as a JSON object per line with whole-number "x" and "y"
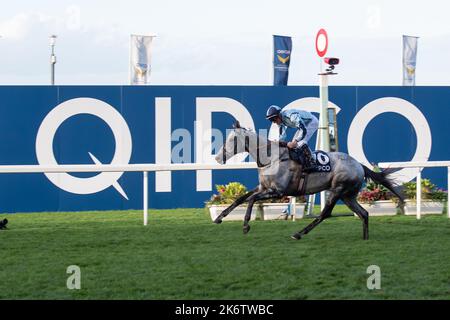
{"x": 282, "y": 47}
{"x": 48, "y": 125}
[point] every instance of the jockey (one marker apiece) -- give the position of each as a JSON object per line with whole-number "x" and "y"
{"x": 305, "y": 123}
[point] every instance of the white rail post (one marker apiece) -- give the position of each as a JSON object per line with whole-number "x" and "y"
{"x": 419, "y": 193}
{"x": 448, "y": 192}
{"x": 145, "y": 196}
{"x": 293, "y": 207}
{"x": 323, "y": 127}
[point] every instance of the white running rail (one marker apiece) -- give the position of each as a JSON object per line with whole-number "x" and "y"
{"x": 420, "y": 166}
{"x": 144, "y": 168}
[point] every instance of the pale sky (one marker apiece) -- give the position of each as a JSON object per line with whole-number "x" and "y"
{"x": 221, "y": 42}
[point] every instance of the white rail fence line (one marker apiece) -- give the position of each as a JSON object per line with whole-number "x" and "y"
{"x": 144, "y": 168}
{"x": 420, "y": 166}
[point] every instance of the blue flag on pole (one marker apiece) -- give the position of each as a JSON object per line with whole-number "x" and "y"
{"x": 282, "y": 47}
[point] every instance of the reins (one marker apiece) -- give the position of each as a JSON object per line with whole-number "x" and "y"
{"x": 268, "y": 145}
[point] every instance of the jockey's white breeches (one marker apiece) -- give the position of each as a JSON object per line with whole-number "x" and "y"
{"x": 311, "y": 127}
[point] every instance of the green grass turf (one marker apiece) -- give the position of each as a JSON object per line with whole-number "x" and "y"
{"x": 181, "y": 254}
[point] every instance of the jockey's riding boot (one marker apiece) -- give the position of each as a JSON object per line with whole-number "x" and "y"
{"x": 309, "y": 164}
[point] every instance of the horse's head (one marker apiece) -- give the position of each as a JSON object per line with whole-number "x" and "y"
{"x": 240, "y": 140}
{"x": 234, "y": 144}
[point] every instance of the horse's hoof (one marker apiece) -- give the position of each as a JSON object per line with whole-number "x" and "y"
{"x": 296, "y": 236}
{"x": 218, "y": 221}
{"x": 3, "y": 224}
{"x": 246, "y": 229}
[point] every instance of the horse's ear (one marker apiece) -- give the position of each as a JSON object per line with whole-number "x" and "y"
{"x": 236, "y": 125}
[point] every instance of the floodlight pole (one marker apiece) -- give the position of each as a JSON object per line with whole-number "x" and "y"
{"x": 323, "y": 137}
{"x": 323, "y": 125}
{"x": 324, "y": 121}
{"x": 323, "y": 92}
{"x": 52, "y": 59}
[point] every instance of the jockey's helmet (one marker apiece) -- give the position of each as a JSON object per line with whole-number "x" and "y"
{"x": 272, "y": 112}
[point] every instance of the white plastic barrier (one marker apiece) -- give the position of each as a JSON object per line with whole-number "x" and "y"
{"x": 420, "y": 166}
{"x": 144, "y": 168}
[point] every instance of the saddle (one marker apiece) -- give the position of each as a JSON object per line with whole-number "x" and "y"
{"x": 322, "y": 162}
{"x": 296, "y": 155}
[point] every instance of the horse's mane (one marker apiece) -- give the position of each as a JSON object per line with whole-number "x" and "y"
{"x": 262, "y": 139}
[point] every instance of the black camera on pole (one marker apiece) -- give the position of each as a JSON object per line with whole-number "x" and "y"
{"x": 331, "y": 62}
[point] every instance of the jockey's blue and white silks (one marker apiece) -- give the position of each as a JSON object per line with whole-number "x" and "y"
{"x": 305, "y": 123}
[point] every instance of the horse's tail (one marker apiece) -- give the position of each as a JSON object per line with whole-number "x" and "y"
{"x": 382, "y": 178}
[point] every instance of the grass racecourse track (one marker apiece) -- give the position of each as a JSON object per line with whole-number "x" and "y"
{"x": 181, "y": 254}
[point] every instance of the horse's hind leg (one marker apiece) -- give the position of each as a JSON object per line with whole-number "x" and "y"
{"x": 326, "y": 213}
{"x": 267, "y": 194}
{"x": 361, "y": 212}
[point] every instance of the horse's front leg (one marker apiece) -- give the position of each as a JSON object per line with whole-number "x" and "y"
{"x": 236, "y": 203}
{"x": 248, "y": 215}
{"x": 267, "y": 194}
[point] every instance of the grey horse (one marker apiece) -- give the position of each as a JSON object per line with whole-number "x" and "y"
{"x": 280, "y": 176}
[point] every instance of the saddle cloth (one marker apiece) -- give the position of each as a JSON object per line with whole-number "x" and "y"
{"x": 323, "y": 163}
